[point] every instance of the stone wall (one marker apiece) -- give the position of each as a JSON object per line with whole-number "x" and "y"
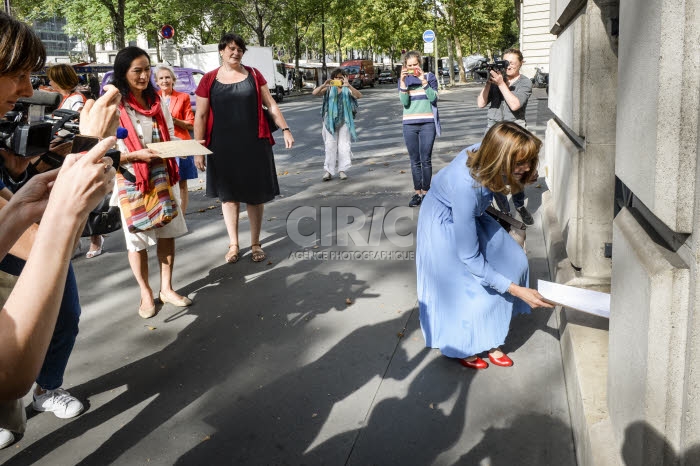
{"x": 625, "y": 89}
{"x": 579, "y": 161}
{"x": 654, "y": 309}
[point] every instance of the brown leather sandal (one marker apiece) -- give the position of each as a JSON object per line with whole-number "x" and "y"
{"x": 258, "y": 255}
{"x": 232, "y": 254}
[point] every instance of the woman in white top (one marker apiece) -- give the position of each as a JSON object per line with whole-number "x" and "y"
{"x": 145, "y": 119}
{"x": 64, "y": 80}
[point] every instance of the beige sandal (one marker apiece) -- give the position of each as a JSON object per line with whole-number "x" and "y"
{"x": 258, "y": 255}
{"x": 232, "y": 254}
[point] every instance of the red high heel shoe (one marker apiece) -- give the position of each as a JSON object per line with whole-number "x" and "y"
{"x": 477, "y": 363}
{"x": 503, "y": 361}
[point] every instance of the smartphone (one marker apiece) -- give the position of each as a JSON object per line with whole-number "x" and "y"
{"x": 85, "y": 143}
{"x": 336, "y": 82}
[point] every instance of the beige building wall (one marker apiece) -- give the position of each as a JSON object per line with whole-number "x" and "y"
{"x": 535, "y": 38}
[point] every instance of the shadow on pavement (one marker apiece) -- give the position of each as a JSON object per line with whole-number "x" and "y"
{"x": 529, "y": 439}
{"x": 225, "y": 351}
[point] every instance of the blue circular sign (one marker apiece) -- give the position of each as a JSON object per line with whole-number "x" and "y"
{"x": 428, "y": 36}
{"x": 167, "y": 32}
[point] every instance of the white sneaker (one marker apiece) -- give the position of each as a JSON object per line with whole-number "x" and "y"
{"x": 342, "y": 176}
{"x": 6, "y": 438}
{"x": 59, "y": 402}
{"x": 327, "y": 176}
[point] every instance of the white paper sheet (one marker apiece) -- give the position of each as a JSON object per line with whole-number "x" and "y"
{"x": 581, "y": 299}
{"x": 183, "y": 148}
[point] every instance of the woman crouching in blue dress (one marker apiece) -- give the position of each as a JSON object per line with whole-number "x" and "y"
{"x": 472, "y": 275}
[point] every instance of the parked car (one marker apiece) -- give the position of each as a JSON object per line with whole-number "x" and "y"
{"x": 187, "y": 81}
{"x": 386, "y": 77}
{"x": 446, "y": 71}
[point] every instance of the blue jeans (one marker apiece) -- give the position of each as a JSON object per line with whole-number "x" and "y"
{"x": 65, "y": 332}
{"x": 419, "y": 142}
{"x": 502, "y": 201}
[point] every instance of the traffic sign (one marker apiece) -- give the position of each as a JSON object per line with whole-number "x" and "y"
{"x": 429, "y": 36}
{"x": 168, "y": 51}
{"x": 428, "y": 47}
{"x": 167, "y": 32}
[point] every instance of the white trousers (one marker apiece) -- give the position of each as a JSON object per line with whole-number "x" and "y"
{"x": 337, "y": 150}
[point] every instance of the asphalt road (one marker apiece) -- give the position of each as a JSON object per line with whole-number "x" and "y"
{"x": 314, "y": 356}
{"x": 378, "y": 125}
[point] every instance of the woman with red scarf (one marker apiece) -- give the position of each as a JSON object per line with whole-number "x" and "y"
{"x": 145, "y": 119}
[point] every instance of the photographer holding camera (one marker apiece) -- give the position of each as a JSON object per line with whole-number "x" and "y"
{"x": 38, "y": 321}
{"x": 418, "y": 93}
{"x": 506, "y": 93}
{"x": 338, "y": 129}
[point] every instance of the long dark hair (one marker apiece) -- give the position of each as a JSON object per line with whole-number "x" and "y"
{"x": 122, "y": 63}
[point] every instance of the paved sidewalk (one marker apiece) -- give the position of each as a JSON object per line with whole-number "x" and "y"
{"x": 297, "y": 360}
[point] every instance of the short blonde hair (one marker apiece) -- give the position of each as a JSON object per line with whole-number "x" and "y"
{"x": 505, "y": 145}
{"x": 168, "y": 68}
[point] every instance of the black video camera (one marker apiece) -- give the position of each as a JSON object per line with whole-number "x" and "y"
{"x": 28, "y": 133}
{"x": 24, "y": 139}
{"x": 497, "y": 65}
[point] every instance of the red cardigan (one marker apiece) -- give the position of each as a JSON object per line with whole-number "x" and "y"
{"x": 204, "y": 90}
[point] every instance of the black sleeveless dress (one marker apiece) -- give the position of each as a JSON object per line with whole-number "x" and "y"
{"x": 242, "y": 166}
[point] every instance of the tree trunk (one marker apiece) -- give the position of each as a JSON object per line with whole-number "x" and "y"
{"x": 92, "y": 52}
{"x": 458, "y": 49}
{"x": 260, "y": 31}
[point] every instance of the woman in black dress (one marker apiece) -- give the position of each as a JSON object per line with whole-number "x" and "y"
{"x": 231, "y": 120}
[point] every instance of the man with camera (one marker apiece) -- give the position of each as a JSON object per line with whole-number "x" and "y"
{"x": 38, "y": 319}
{"x": 506, "y": 92}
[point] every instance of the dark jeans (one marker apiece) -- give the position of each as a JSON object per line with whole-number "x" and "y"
{"x": 63, "y": 339}
{"x": 419, "y": 142}
{"x": 502, "y": 201}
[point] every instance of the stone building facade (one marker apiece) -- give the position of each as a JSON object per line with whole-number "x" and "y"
{"x": 623, "y": 214}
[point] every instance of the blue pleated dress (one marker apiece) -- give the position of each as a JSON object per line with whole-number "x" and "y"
{"x": 465, "y": 263}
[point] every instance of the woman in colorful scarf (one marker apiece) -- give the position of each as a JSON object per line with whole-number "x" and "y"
{"x": 338, "y": 113}
{"x": 147, "y": 121}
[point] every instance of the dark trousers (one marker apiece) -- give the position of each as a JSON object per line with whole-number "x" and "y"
{"x": 65, "y": 332}
{"x": 502, "y": 201}
{"x": 419, "y": 142}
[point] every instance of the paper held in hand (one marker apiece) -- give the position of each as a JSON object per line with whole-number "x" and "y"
{"x": 581, "y": 299}
{"x": 178, "y": 148}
